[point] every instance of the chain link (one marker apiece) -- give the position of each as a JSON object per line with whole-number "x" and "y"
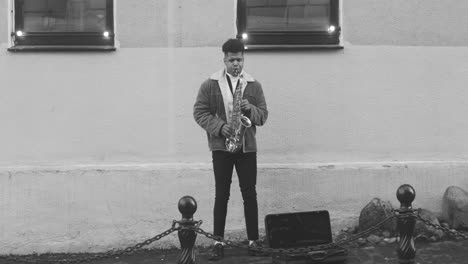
{"x": 451, "y": 232}
{"x": 301, "y": 251}
{"x": 195, "y": 226}
{"x": 108, "y": 254}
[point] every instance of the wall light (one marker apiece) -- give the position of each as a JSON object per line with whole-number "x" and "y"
{"x": 244, "y": 36}
{"x": 19, "y": 33}
{"x": 106, "y": 34}
{"x": 331, "y": 29}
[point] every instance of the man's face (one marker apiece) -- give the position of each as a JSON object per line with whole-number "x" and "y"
{"x": 234, "y": 62}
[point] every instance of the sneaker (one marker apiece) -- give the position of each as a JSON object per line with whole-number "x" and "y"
{"x": 255, "y": 249}
{"x": 217, "y": 252}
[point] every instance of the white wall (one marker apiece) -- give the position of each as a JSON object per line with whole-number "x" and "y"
{"x": 135, "y": 105}
{"x": 405, "y": 22}
{"x": 98, "y": 209}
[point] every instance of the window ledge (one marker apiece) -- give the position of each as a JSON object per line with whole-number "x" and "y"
{"x": 60, "y": 48}
{"x": 292, "y": 47}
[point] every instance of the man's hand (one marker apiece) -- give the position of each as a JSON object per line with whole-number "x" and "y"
{"x": 245, "y": 106}
{"x": 227, "y": 131}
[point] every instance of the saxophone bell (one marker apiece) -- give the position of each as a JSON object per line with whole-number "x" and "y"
{"x": 234, "y": 143}
{"x": 245, "y": 121}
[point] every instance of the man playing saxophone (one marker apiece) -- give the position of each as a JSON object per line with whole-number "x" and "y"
{"x": 229, "y": 106}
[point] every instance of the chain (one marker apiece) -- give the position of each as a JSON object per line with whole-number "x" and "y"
{"x": 295, "y": 251}
{"x": 108, "y": 254}
{"x": 195, "y": 226}
{"x": 451, "y": 232}
{"x": 184, "y": 222}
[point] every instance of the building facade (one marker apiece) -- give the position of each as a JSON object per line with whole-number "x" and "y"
{"x": 98, "y": 146}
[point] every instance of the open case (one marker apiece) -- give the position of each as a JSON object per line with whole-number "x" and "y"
{"x": 302, "y": 229}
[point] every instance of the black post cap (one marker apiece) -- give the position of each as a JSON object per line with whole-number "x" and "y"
{"x": 187, "y": 207}
{"x": 406, "y": 194}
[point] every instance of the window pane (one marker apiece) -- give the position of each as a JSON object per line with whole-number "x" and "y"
{"x": 288, "y": 15}
{"x": 64, "y": 15}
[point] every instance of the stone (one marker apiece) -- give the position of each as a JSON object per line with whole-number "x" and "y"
{"x": 361, "y": 241}
{"x": 421, "y": 238}
{"x": 370, "y": 248}
{"x": 423, "y": 229}
{"x": 386, "y": 234}
{"x": 374, "y": 239}
{"x": 375, "y": 212}
{"x": 353, "y": 230}
{"x": 455, "y": 207}
{"x": 439, "y": 234}
{"x": 445, "y": 225}
{"x": 341, "y": 236}
{"x": 390, "y": 240}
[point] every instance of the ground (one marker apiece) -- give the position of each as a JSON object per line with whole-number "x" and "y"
{"x": 446, "y": 252}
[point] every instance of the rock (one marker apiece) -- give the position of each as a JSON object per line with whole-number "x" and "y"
{"x": 341, "y": 236}
{"x": 361, "y": 241}
{"x": 386, "y": 234}
{"x": 455, "y": 207}
{"x": 375, "y": 212}
{"x": 453, "y": 232}
{"x": 445, "y": 225}
{"x": 369, "y": 248}
{"x": 421, "y": 238}
{"x": 353, "y": 230}
{"x": 439, "y": 234}
{"x": 374, "y": 239}
{"x": 423, "y": 229}
{"x": 390, "y": 240}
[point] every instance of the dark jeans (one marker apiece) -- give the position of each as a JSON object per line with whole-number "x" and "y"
{"x": 246, "y": 168}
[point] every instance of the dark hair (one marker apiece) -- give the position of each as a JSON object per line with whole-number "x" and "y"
{"x": 233, "y": 45}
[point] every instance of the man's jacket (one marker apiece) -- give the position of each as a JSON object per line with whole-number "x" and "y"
{"x": 209, "y": 110}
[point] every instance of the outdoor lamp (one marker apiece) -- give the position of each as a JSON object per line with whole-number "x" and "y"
{"x": 331, "y": 29}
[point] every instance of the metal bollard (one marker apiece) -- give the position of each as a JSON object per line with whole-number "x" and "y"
{"x": 406, "y": 249}
{"x": 187, "y": 207}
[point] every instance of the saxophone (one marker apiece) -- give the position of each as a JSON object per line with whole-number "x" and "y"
{"x": 238, "y": 121}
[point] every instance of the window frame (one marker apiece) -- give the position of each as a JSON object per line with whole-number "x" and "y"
{"x": 258, "y": 39}
{"x": 62, "y": 40}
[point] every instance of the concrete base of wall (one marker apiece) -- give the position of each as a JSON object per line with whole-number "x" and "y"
{"x": 94, "y": 209}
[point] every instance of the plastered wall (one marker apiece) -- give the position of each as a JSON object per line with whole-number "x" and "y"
{"x": 362, "y": 103}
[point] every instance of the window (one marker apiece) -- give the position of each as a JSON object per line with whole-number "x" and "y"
{"x": 288, "y": 23}
{"x": 63, "y": 25}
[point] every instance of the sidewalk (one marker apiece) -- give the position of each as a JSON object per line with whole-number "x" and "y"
{"x": 447, "y": 252}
